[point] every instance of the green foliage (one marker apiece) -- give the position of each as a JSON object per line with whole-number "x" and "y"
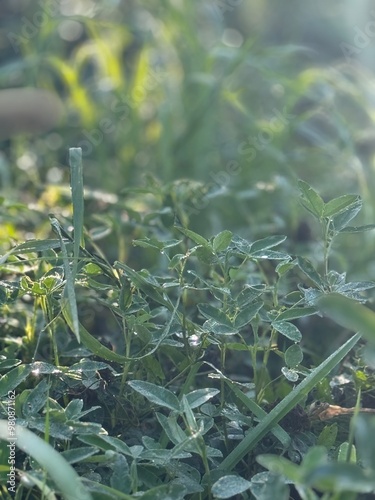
{"x": 168, "y": 340}
{"x": 207, "y": 360}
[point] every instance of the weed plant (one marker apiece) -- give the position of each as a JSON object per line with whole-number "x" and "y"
{"x": 191, "y": 378}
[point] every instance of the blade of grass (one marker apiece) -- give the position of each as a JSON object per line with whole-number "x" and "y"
{"x": 68, "y": 299}
{"x": 62, "y": 473}
{"x": 251, "y": 405}
{"x": 287, "y": 404}
{"x": 76, "y": 185}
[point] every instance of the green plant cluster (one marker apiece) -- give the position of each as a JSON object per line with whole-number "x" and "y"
{"x": 201, "y": 373}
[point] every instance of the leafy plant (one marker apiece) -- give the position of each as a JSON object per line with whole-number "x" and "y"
{"x": 200, "y": 363}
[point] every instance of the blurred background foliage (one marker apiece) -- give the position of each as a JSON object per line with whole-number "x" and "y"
{"x": 210, "y": 110}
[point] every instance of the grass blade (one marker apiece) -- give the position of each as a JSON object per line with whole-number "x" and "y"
{"x": 68, "y": 299}
{"x": 287, "y": 404}
{"x": 76, "y": 185}
{"x": 63, "y": 474}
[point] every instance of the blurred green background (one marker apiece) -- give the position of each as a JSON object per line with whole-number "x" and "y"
{"x": 209, "y": 109}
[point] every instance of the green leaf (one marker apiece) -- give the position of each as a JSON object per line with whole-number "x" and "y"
{"x": 327, "y": 437}
{"x": 9, "y": 363}
{"x": 155, "y": 394}
{"x": 121, "y": 478}
{"x": 146, "y": 285}
{"x": 280, "y": 465}
{"x": 283, "y": 267}
{"x": 365, "y": 427}
{"x": 266, "y": 486}
{"x": 358, "y": 229}
{"x": 265, "y": 243}
{"x": 200, "y": 396}
{"x": 340, "y": 221}
{"x": 296, "y": 312}
{"x": 230, "y": 486}
{"x": 73, "y": 409}
{"x": 307, "y": 268}
{"x": 340, "y": 477}
{"x": 212, "y": 326}
{"x": 13, "y": 379}
{"x": 214, "y": 313}
{"x": 315, "y": 457}
{"x": 247, "y": 314}
{"x": 286, "y": 405}
{"x": 36, "y": 399}
{"x": 222, "y": 241}
{"x": 288, "y": 330}
{"x": 293, "y": 356}
{"x": 348, "y": 313}
{"x": 290, "y": 374}
{"x": 78, "y": 454}
{"x": 165, "y": 492}
{"x": 311, "y": 200}
{"x": 197, "y": 238}
{"x": 340, "y": 205}
{"x": 34, "y": 246}
{"x": 343, "y": 451}
{"x": 173, "y": 431}
{"x": 269, "y": 254}
{"x": 248, "y": 294}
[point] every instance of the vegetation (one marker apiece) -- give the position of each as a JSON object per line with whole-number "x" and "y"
{"x": 191, "y": 317}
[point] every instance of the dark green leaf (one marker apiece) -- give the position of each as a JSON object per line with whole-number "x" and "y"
{"x": 288, "y": 330}
{"x": 32, "y": 246}
{"x": 339, "y": 205}
{"x": 265, "y": 243}
{"x": 280, "y": 465}
{"x": 248, "y": 294}
{"x": 269, "y": 254}
{"x": 290, "y": 374}
{"x": 36, "y": 399}
{"x": 358, "y": 229}
{"x": 200, "y": 396}
{"x": 214, "y": 313}
{"x": 348, "y": 313}
{"x": 7, "y": 364}
{"x": 78, "y": 454}
{"x": 213, "y": 326}
{"x": 13, "y": 379}
{"x": 310, "y": 199}
{"x": 327, "y": 437}
{"x": 197, "y": 238}
{"x": 165, "y": 492}
{"x": 155, "y": 394}
{"x": 296, "y": 312}
{"x": 340, "y": 221}
{"x": 230, "y": 486}
{"x": 364, "y": 428}
{"x": 293, "y": 356}
{"x": 121, "y": 478}
{"x": 307, "y": 268}
{"x": 339, "y": 477}
{"x": 222, "y": 241}
{"x": 247, "y": 314}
